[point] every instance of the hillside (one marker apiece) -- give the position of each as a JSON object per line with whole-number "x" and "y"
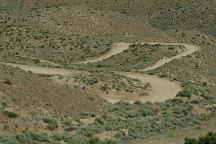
{"x": 33, "y": 98}
{"x": 106, "y": 71}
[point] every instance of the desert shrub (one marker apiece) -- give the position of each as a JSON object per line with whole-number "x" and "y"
{"x": 90, "y": 81}
{"x": 108, "y": 142}
{"x": 189, "y": 89}
{"x": 52, "y": 123}
{"x": 157, "y": 45}
{"x": 191, "y": 141}
{"x": 120, "y": 134}
{"x": 205, "y": 84}
{"x": 70, "y": 128}
{"x": 90, "y": 130}
{"x": 10, "y": 114}
{"x": 124, "y": 105}
{"x": 135, "y": 132}
{"x": 8, "y": 140}
{"x": 207, "y": 96}
{"x": 8, "y": 82}
{"x": 138, "y": 102}
{"x": 45, "y": 75}
{"x": 115, "y": 125}
{"x": 29, "y": 137}
{"x": 175, "y": 101}
{"x": 178, "y": 110}
{"x": 93, "y": 97}
{"x": 69, "y": 125}
{"x": 84, "y": 140}
{"x": 145, "y": 110}
{"x": 171, "y": 48}
{"x": 62, "y": 136}
{"x": 4, "y": 104}
{"x": 210, "y": 138}
{"x": 78, "y": 140}
{"x": 100, "y": 120}
{"x": 132, "y": 114}
{"x": 69, "y": 122}
{"x": 185, "y": 93}
{"x": 104, "y": 87}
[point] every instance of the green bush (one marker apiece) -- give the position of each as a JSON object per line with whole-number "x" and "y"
{"x": 69, "y": 125}
{"x": 100, "y": 120}
{"x": 185, "y": 93}
{"x": 52, "y": 123}
{"x": 69, "y": 122}
{"x": 92, "y": 97}
{"x": 145, "y": 110}
{"x": 78, "y": 140}
{"x": 135, "y": 132}
{"x": 29, "y": 137}
{"x": 70, "y": 128}
{"x": 62, "y": 136}
{"x": 8, "y": 140}
{"x": 120, "y": 134}
{"x": 104, "y": 87}
{"x": 90, "y": 81}
{"x": 210, "y": 138}
{"x": 92, "y": 129}
{"x": 189, "y": 89}
{"x": 10, "y": 114}
{"x": 83, "y": 140}
{"x": 132, "y": 114}
{"x": 8, "y": 82}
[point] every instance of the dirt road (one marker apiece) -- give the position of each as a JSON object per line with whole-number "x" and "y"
{"x": 161, "y": 88}
{"x": 117, "y": 48}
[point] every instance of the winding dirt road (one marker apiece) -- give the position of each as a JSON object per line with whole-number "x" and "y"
{"x": 161, "y": 88}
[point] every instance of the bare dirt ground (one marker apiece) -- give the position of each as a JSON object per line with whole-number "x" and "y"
{"x": 161, "y": 88}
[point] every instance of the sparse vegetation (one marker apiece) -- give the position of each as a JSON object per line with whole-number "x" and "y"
{"x": 138, "y": 57}
{"x": 189, "y": 89}
{"x": 210, "y": 138}
{"x": 52, "y": 123}
{"x": 58, "y": 33}
{"x": 26, "y": 138}
{"x": 90, "y": 81}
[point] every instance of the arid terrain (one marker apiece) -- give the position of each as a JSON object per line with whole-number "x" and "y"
{"x": 107, "y": 71}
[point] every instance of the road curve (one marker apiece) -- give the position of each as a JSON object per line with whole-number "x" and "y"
{"x": 189, "y": 49}
{"x": 162, "y": 89}
{"x": 117, "y": 48}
